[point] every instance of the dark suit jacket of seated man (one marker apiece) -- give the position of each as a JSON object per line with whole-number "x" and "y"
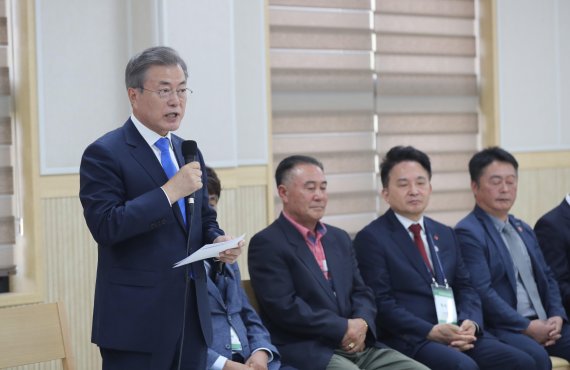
{"x": 553, "y": 233}
{"x": 402, "y": 279}
{"x": 318, "y": 311}
{"x": 494, "y": 271}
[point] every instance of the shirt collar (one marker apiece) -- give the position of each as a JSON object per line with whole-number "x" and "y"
{"x": 319, "y": 231}
{"x": 568, "y": 198}
{"x": 498, "y": 223}
{"x": 148, "y": 135}
{"x": 406, "y": 222}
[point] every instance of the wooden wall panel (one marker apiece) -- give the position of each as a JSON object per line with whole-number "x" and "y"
{"x": 70, "y": 259}
{"x": 540, "y": 190}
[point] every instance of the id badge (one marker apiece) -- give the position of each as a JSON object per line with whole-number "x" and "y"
{"x": 444, "y": 304}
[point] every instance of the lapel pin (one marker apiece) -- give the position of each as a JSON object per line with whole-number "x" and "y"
{"x": 436, "y": 237}
{"x": 519, "y": 228}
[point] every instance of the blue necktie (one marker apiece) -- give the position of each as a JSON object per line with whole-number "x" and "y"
{"x": 164, "y": 145}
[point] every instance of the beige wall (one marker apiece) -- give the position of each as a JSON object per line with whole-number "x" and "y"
{"x": 544, "y": 180}
{"x": 539, "y": 191}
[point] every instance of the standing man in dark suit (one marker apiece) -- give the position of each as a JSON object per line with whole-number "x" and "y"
{"x": 304, "y": 274}
{"x": 427, "y": 308}
{"x": 520, "y": 297}
{"x": 133, "y": 184}
{"x": 553, "y": 233}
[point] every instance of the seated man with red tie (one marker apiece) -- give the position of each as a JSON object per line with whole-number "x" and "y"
{"x": 427, "y": 308}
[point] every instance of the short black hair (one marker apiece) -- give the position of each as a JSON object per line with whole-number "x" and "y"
{"x": 402, "y": 154}
{"x": 287, "y": 164}
{"x": 214, "y": 184}
{"x": 487, "y": 156}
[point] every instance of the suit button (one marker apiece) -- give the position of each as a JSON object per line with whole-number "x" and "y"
{"x": 227, "y": 346}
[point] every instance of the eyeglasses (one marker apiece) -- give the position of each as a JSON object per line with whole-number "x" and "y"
{"x": 167, "y": 93}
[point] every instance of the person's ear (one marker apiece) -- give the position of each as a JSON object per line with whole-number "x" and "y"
{"x": 384, "y": 194}
{"x": 132, "y": 94}
{"x": 283, "y": 193}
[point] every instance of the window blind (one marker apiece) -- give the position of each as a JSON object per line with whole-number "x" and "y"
{"x": 350, "y": 79}
{"x": 323, "y": 98}
{"x": 427, "y": 92}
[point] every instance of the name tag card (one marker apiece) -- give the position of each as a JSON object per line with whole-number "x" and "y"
{"x": 444, "y": 304}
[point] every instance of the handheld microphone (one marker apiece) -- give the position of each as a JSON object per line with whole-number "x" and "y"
{"x": 190, "y": 153}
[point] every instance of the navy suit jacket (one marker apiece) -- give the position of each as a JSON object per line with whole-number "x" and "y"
{"x": 492, "y": 272}
{"x": 307, "y": 321}
{"x": 139, "y": 297}
{"x": 236, "y": 311}
{"x": 392, "y": 266}
{"x": 553, "y": 234}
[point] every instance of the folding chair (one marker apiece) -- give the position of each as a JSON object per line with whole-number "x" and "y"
{"x": 34, "y": 333}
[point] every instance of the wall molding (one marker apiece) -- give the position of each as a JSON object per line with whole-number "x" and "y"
{"x": 62, "y": 186}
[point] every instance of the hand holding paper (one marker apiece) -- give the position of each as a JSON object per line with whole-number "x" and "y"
{"x": 210, "y": 251}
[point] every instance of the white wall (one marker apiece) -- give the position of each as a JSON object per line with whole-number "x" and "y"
{"x": 534, "y": 74}
{"x": 83, "y": 48}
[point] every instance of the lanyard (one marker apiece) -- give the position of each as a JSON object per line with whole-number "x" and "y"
{"x": 434, "y": 253}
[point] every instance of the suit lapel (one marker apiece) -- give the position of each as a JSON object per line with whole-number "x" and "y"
{"x": 308, "y": 259}
{"x": 499, "y": 245}
{"x": 144, "y": 155}
{"x": 232, "y": 291}
{"x": 437, "y": 256}
{"x": 177, "y": 146}
{"x": 306, "y": 256}
{"x": 215, "y": 292}
{"x": 406, "y": 245}
{"x": 335, "y": 264}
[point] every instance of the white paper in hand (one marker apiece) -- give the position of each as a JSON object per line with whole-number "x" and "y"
{"x": 210, "y": 251}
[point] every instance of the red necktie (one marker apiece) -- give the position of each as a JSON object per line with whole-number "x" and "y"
{"x": 416, "y": 230}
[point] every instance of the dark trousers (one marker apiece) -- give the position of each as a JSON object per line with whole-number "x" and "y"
{"x": 536, "y": 351}
{"x": 126, "y": 360}
{"x": 489, "y": 353}
{"x": 194, "y": 352}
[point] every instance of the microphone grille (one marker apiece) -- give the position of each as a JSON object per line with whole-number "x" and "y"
{"x": 189, "y": 148}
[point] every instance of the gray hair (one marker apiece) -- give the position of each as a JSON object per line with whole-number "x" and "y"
{"x": 135, "y": 73}
{"x": 288, "y": 164}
